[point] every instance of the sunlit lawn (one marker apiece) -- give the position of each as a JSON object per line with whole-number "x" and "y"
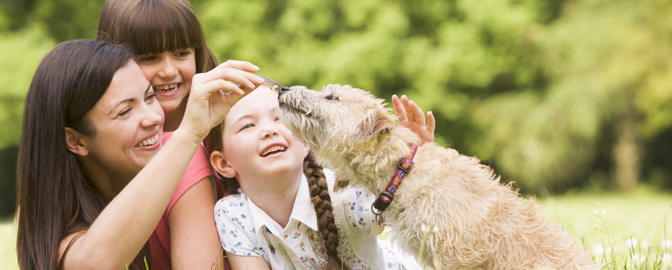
{"x": 640, "y": 215}
{"x": 632, "y": 224}
{"x": 8, "y": 244}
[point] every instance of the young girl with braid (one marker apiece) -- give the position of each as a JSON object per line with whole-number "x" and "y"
{"x": 286, "y": 215}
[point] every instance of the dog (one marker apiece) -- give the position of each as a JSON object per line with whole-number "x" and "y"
{"x": 477, "y": 222}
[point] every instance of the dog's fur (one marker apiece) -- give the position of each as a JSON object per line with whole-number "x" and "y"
{"x": 480, "y": 224}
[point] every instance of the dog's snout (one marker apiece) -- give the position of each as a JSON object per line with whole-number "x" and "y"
{"x": 284, "y": 90}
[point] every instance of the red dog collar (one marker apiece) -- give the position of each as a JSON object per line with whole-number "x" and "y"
{"x": 403, "y": 168}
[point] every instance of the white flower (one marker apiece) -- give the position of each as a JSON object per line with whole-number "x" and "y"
{"x": 599, "y": 249}
{"x": 637, "y": 258}
{"x": 645, "y": 244}
{"x": 666, "y": 243}
{"x": 631, "y": 242}
{"x": 667, "y": 259}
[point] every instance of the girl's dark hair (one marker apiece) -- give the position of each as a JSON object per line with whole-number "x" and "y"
{"x": 55, "y": 199}
{"x": 319, "y": 196}
{"x": 317, "y": 184}
{"x": 155, "y": 26}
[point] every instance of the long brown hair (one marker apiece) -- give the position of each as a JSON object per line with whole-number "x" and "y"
{"x": 317, "y": 184}
{"x": 56, "y": 200}
{"x": 155, "y": 26}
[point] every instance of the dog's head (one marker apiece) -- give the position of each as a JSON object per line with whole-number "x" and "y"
{"x": 349, "y": 129}
{"x": 336, "y": 116}
{"x": 345, "y": 126}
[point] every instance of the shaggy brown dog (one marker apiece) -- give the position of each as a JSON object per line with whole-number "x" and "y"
{"x": 479, "y": 223}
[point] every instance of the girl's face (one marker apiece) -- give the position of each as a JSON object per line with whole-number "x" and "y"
{"x": 128, "y": 122}
{"x": 170, "y": 74}
{"x": 257, "y": 143}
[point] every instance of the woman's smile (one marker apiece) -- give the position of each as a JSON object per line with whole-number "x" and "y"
{"x": 150, "y": 143}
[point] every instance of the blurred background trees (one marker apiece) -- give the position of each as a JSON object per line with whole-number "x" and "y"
{"x": 555, "y": 94}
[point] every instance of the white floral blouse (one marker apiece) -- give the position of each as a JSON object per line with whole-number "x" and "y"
{"x": 244, "y": 229}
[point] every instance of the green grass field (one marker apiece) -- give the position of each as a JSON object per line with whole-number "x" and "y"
{"x": 631, "y": 225}
{"x": 8, "y": 245}
{"x": 622, "y": 231}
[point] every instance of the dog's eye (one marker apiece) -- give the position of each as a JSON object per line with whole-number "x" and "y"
{"x": 331, "y": 97}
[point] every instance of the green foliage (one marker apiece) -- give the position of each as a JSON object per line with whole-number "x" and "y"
{"x": 16, "y": 69}
{"x": 445, "y": 54}
{"x": 68, "y": 19}
{"x": 538, "y": 89}
{"x": 481, "y": 66}
{"x": 16, "y": 72}
{"x": 14, "y": 13}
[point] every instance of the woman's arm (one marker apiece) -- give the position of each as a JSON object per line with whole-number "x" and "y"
{"x": 237, "y": 262}
{"x": 194, "y": 243}
{"x": 123, "y": 227}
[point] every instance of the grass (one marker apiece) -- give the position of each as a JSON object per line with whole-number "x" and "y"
{"x": 622, "y": 231}
{"x": 8, "y": 245}
{"x": 632, "y": 225}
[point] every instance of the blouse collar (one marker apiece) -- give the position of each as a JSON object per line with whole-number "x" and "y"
{"x": 303, "y": 211}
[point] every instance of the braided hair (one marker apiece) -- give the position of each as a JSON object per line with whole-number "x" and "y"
{"x": 319, "y": 196}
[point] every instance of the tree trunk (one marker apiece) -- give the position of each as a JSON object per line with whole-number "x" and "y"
{"x": 627, "y": 152}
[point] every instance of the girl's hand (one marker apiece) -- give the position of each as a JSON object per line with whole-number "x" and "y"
{"x": 411, "y": 116}
{"x": 214, "y": 93}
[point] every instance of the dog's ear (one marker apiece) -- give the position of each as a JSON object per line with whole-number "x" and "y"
{"x": 376, "y": 123}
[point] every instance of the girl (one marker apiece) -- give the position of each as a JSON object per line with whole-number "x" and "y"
{"x": 95, "y": 172}
{"x": 284, "y": 218}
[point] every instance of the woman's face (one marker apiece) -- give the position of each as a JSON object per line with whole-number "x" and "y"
{"x": 170, "y": 74}
{"x": 128, "y": 122}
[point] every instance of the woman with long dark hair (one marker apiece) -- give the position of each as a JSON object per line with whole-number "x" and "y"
{"x": 95, "y": 172}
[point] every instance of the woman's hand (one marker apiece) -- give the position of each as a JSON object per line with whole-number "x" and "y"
{"x": 411, "y": 116}
{"x": 214, "y": 93}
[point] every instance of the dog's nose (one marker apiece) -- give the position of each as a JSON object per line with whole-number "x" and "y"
{"x": 284, "y": 90}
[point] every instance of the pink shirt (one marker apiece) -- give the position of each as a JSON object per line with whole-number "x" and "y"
{"x": 159, "y": 242}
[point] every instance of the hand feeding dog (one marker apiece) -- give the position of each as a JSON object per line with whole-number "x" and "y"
{"x": 478, "y": 222}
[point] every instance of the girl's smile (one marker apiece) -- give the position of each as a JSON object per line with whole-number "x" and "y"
{"x": 170, "y": 74}
{"x": 273, "y": 150}
{"x": 166, "y": 89}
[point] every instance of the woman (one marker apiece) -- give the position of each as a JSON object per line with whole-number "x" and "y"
{"x": 92, "y": 183}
